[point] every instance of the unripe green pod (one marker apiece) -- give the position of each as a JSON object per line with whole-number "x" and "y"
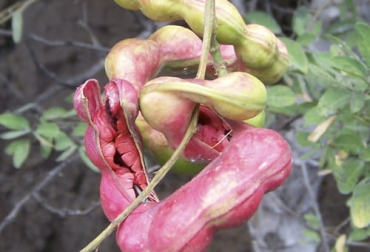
{"x": 255, "y": 45}
{"x": 259, "y": 49}
{"x": 275, "y": 72}
{"x": 128, "y": 4}
{"x": 257, "y": 121}
{"x": 235, "y": 96}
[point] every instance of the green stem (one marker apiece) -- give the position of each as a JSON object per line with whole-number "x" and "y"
{"x": 209, "y": 28}
{"x": 210, "y": 43}
{"x": 218, "y": 64}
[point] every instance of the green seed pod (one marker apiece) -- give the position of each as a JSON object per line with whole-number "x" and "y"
{"x": 259, "y": 49}
{"x": 257, "y": 121}
{"x": 255, "y": 45}
{"x": 235, "y": 96}
{"x": 275, "y": 72}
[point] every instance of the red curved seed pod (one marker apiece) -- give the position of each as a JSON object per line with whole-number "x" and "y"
{"x": 225, "y": 194}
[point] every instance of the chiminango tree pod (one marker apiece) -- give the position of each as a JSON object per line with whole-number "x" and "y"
{"x": 166, "y": 104}
{"x": 139, "y": 60}
{"x": 259, "y": 50}
{"x": 224, "y": 194}
{"x": 244, "y": 162}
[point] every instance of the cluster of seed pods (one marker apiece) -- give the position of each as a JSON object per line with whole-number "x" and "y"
{"x": 242, "y": 161}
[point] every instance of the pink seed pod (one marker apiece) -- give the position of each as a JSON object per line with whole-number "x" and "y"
{"x": 112, "y": 142}
{"x": 225, "y": 194}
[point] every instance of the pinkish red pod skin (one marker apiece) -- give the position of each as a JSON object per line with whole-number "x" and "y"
{"x": 112, "y": 142}
{"x": 225, "y": 194}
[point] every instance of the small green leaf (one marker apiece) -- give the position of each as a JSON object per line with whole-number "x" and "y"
{"x": 13, "y": 134}
{"x": 19, "y": 149}
{"x": 312, "y": 235}
{"x": 63, "y": 142}
{"x": 360, "y": 204}
{"x": 14, "y": 121}
{"x": 340, "y": 27}
{"x": 363, "y": 31}
{"x": 70, "y": 113}
{"x": 17, "y": 26}
{"x": 301, "y": 19}
{"x": 341, "y": 46}
{"x": 80, "y": 129}
{"x": 297, "y": 57}
{"x": 312, "y": 220}
{"x": 355, "y": 124}
{"x": 86, "y": 160}
{"x": 357, "y": 101}
{"x": 262, "y": 18}
{"x": 358, "y": 235}
{"x": 307, "y": 155}
{"x": 350, "y": 66}
{"x": 66, "y": 153}
{"x": 318, "y": 74}
{"x": 332, "y": 100}
{"x": 53, "y": 113}
{"x": 350, "y": 142}
{"x": 280, "y": 96}
{"x": 307, "y": 39}
{"x": 46, "y": 148}
{"x": 313, "y": 117}
{"x": 302, "y": 139}
{"x": 48, "y": 130}
{"x": 347, "y": 175}
{"x": 304, "y": 107}
{"x": 365, "y": 154}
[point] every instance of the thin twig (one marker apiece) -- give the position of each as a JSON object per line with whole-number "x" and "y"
{"x": 358, "y": 244}
{"x": 7, "y": 14}
{"x": 13, "y": 214}
{"x": 6, "y": 32}
{"x": 252, "y": 5}
{"x": 71, "y": 82}
{"x": 316, "y": 209}
{"x": 147, "y": 24}
{"x": 63, "y": 212}
{"x": 69, "y": 43}
{"x": 84, "y": 24}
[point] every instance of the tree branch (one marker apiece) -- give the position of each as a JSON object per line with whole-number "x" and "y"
{"x": 13, "y": 214}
